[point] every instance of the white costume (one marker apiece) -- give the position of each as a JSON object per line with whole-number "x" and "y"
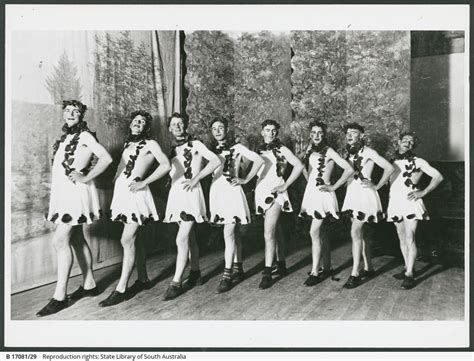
{"x": 227, "y": 203}
{"x": 132, "y": 207}
{"x": 399, "y": 207}
{"x": 317, "y": 204}
{"x": 185, "y": 205}
{"x": 270, "y": 176}
{"x": 363, "y": 203}
{"x": 71, "y": 202}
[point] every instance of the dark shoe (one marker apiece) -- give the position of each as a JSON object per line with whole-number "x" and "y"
{"x": 51, "y": 307}
{"x": 279, "y": 270}
{"x": 114, "y": 298}
{"x": 367, "y": 273}
{"x": 81, "y": 293}
{"x": 399, "y": 276}
{"x": 409, "y": 282}
{"x": 237, "y": 277}
{"x": 137, "y": 287}
{"x": 353, "y": 282}
{"x": 172, "y": 292}
{"x": 225, "y": 285}
{"x": 194, "y": 279}
{"x": 313, "y": 280}
{"x": 266, "y": 281}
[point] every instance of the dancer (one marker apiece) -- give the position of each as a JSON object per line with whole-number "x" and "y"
{"x": 362, "y": 200}
{"x": 405, "y": 206}
{"x": 133, "y": 203}
{"x": 74, "y": 201}
{"x": 271, "y": 196}
{"x": 186, "y": 204}
{"x": 227, "y": 202}
{"x": 319, "y": 200}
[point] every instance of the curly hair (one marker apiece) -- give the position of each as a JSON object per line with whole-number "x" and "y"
{"x": 221, "y": 120}
{"x": 148, "y": 119}
{"x": 353, "y": 125}
{"x": 271, "y": 122}
{"x": 416, "y": 140}
{"x": 76, "y": 103}
{"x": 183, "y": 117}
{"x": 320, "y": 124}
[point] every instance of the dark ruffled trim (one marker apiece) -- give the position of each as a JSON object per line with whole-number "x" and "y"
{"x": 397, "y": 219}
{"x": 319, "y": 216}
{"x": 270, "y": 200}
{"x": 235, "y": 220}
{"x": 185, "y": 217}
{"x": 134, "y": 219}
{"x": 66, "y": 218}
{"x": 361, "y": 216}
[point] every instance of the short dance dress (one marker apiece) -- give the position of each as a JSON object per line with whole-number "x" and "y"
{"x": 186, "y": 205}
{"x": 362, "y": 203}
{"x": 399, "y": 207}
{"x": 270, "y": 176}
{"x": 228, "y": 203}
{"x": 127, "y": 206}
{"x": 73, "y": 203}
{"x": 317, "y": 204}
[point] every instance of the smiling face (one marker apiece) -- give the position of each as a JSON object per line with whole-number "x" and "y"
{"x": 269, "y": 133}
{"x": 353, "y": 136}
{"x": 138, "y": 124}
{"x": 406, "y": 144}
{"x": 218, "y": 131}
{"x": 71, "y": 115}
{"x": 177, "y": 127}
{"x": 316, "y": 135}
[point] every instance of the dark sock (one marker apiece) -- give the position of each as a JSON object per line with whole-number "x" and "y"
{"x": 227, "y": 273}
{"x": 237, "y": 267}
{"x": 267, "y": 271}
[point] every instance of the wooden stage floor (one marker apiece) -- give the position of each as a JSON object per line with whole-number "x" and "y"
{"x": 439, "y": 294}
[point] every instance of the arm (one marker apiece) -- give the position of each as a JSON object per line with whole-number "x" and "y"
{"x": 213, "y": 163}
{"x": 104, "y": 160}
{"x": 162, "y": 169}
{"x": 382, "y": 163}
{"x": 436, "y": 179}
{"x": 295, "y": 173}
{"x": 256, "y": 160}
{"x": 344, "y": 164}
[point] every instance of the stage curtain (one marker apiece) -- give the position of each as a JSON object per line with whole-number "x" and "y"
{"x": 114, "y": 73}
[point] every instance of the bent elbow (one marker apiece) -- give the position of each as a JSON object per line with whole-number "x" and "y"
{"x": 107, "y": 159}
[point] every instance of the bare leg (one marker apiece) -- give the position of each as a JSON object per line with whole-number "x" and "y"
{"x": 326, "y": 253}
{"x": 238, "y": 247}
{"x": 280, "y": 244}
{"x": 193, "y": 251}
{"x": 62, "y": 244}
{"x": 314, "y": 232}
{"x": 403, "y": 244}
{"x": 80, "y": 243}
{"x": 129, "y": 235}
{"x": 182, "y": 242}
{"x": 270, "y": 223}
{"x": 229, "y": 239}
{"x": 140, "y": 260}
{"x": 356, "y": 234}
{"x": 410, "y": 228}
{"x": 366, "y": 254}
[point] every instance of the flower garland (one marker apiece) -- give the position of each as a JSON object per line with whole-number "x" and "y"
{"x": 133, "y": 157}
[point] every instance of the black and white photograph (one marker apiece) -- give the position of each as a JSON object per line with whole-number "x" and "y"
{"x": 237, "y": 176}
